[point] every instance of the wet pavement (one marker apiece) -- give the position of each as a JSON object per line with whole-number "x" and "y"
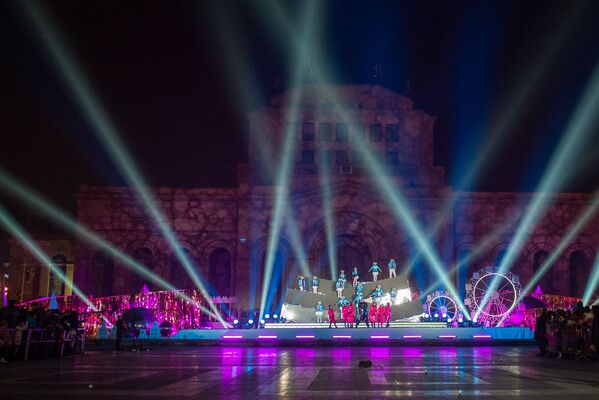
{"x": 202, "y": 372}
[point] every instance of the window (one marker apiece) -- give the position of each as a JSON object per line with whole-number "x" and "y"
{"x": 357, "y": 131}
{"x": 341, "y": 157}
{"x": 358, "y": 157}
{"x": 326, "y": 131}
{"x": 308, "y": 131}
{"x": 325, "y": 157}
{"x": 392, "y": 133}
{"x": 308, "y": 157}
{"x": 342, "y": 132}
{"x": 392, "y": 158}
{"x": 376, "y": 133}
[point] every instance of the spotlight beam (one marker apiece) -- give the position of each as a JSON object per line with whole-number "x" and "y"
{"x": 327, "y": 202}
{"x": 398, "y": 204}
{"x": 107, "y": 134}
{"x": 580, "y": 223}
{"x": 19, "y": 190}
{"x": 557, "y": 173}
{"x": 286, "y": 163}
{"x": 15, "y": 229}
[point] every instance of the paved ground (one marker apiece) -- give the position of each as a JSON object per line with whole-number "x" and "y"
{"x": 303, "y": 372}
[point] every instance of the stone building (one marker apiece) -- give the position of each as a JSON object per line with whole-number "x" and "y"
{"x": 225, "y": 231}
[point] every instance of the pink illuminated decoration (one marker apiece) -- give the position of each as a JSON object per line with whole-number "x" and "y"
{"x": 232, "y": 337}
{"x": 341, "y": 336}
{"x": 167, "y": 306}
{"x": 481, "y": 336}
{"x": 447, "y": 336}
{"x": 267, "y": 337}
{"x": 304, "y": 336}
{"x": 412, "y": 336}
{"x": 379, "y": 337}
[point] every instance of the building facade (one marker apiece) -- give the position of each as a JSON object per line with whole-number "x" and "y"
{"x": 349, "y": 157}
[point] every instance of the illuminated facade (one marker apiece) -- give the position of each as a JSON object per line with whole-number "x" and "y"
{"x": 225, "y": 231}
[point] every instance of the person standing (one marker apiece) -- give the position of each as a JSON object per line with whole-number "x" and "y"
{"x": 393, "y": 295}
{"x": 339, "y": 286}
{"x": 362, "y": 314}
{"x": 541, "y": 332}
{"x": 119, "y": 326}
{"x": 343, "y": 276}
{"x": 351, "y": 315}
{"x": 392, "y": 267}
{"x": 355, "y": 276}
{"x": 388, "y": 314}
{"x": 315, "y": 283}
{"x": 381, "y": 316}
{"x": 372, "y": 315}
{"x": 375, "y": 269}
{"x": 318, "y": 312}
{"x": 301, "y": 283}
{"x": 359, "y": 289}
{"x": 377, "y": 294}
{"x": 332, "y": 320}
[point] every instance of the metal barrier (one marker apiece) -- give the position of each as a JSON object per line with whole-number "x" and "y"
{"x": 21, "y": 340}
{"x": 572, "y": 340}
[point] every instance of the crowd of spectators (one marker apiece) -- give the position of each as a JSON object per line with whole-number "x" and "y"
{"x": 569, "y": 332}
{"x": 48, "y": 330}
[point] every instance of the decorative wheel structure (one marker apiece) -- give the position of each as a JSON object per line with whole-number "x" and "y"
{"x": 441, "y": 303}
{"x": 501, "y": 301}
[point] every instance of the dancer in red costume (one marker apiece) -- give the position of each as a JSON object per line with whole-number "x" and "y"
{"x": 388, "y": 314}
{"x": 351, "y": 315}
{"x": 332, "y": 319}
{"x": 381, "y": 316}
{"x": 372, "y": 315}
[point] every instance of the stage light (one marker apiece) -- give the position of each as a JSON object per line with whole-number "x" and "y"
{"x": 426, "y": 315}
{"x": 275, "y": 316}
{"x": 444, "y": 315}
{"x": 267, "y": 316}
{"x": 235, "y": 322}
{"x": 267, "y": 337}
{"x": 250, "y": 321}
{"x": 436, "y": 315}
{"x": 460, "y": 320}
{"x": 448, "y": 319}
{"x": 262, "y": 321}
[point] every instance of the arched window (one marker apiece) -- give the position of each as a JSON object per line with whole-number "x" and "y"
{"x": 178, "y": 276}
{"x": 56, "y": 283}
{"x": 103, "y": 273}
{"x": 546, "y": 281}
{"x": 580, "y": 268}
{"x": 220, "y": 272}
{"x": 144, "y": 256}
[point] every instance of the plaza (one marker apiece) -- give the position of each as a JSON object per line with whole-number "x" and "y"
{"x": 202, "y": 372}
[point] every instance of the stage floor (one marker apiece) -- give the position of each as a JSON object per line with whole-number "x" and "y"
{"x": 407, "y": 334}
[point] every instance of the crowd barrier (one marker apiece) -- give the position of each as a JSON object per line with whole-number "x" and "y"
{"x": 574, "y": 341}
{"x": 41, "y": 343}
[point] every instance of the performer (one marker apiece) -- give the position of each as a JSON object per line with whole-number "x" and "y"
{"x": 301, "y": 282}
{"x": 355, "y": 276}
{"x": 381, "y": 315}
{"x": 377, "y": 294}
{"x": 393, "y": 295}
{"x": 319, "y": 311}
{"x": 392, "y": 267}
{"x": 315, "y": 282}
{"x": 372, "y": 314}
{"x": 332, "y": 319}
{"x": 351, "y": 315}
{"x": 342, "y": 276}
{"x": 359, "y": 288}
{"x": 375, "y": 269}
{"x": 362, "y": 315}
{"x": 339, "y": 286}
{"x": 388, "y": 314}
{"x": 341, "y": 302}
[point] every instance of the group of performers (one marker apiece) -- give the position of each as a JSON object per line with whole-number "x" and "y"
{"x": 352, "y": 315}
{"x": 342, "y": 279}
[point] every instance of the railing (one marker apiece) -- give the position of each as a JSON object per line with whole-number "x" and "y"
{"x": 571, "y": 341}
{"x": 42, "y": 342}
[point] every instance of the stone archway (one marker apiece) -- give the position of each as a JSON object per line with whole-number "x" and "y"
{"x": 359, "y": 240}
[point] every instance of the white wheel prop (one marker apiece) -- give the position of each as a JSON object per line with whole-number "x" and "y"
{"x": 441, "y": 303}
{"x": 501, "y": 302}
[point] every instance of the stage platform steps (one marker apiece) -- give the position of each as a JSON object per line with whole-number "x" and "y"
{"x": 313, "y": 325}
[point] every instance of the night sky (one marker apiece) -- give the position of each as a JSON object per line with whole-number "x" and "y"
{"x": 163, "y": 72}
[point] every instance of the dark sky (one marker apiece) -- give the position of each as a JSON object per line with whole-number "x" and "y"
{"x": 163, "y": 72}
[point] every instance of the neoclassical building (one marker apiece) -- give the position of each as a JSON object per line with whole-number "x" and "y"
{"x": 332, "y": 181}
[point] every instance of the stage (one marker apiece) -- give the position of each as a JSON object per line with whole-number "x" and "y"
{"x": 396, "y": 335}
